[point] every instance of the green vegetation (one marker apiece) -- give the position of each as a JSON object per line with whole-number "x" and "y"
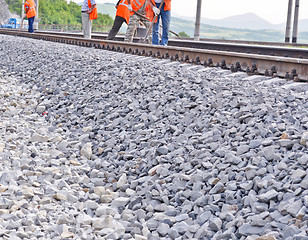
{"x": 15, "y": 6}
{"x": 59, "y": 12}
{"x": 103, "y": 19}
{"x": 183, "y": 34}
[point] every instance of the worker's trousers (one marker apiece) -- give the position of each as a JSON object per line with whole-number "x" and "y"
{"x": 165, "y": 18}
{"x": 118, "y": 21}
{"x": 134, "y": 23}
{"x": 30, "y": 23}
{"x": 86, "y": 25}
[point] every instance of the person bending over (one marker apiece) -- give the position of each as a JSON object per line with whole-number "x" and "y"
{"x": 139, "y": 13}
{"x": 122, "y": 15}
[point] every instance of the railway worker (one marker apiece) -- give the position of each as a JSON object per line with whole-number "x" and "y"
{"x": 31, "y": 13}
{"x": 165, "y": 15}
{"x": 122, "y": 15}
{"x": 88, "y": 13}
{"x": 139, "y": 9}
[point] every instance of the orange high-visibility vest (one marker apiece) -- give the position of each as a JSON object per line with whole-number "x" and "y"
{"x": 93, "y": 14}
{"x": 137, "y": 4}
{"x": 167, "y": 4}
{"x": 122, "y": 10}
{"x": 150, "y": 13}
{"x": 30, "y": 8}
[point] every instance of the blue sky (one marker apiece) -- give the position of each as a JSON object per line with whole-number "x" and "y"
{"x": 274, "y": 11}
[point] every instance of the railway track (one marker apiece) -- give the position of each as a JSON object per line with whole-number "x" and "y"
{"x": 287, "y": 62}
{"x": 263, "y": 48}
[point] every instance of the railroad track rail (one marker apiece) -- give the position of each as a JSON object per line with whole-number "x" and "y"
{"x": 287, "y": 62}
{"x": 270, "y": 48}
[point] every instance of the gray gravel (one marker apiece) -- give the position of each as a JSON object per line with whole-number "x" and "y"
{"x": 103, "y": 145}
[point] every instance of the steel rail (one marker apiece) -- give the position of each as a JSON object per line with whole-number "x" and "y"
{"x": 280, "y": 44}
{"x": 289, "y": 68}
{"x": 236, "y": 46}
{"x": 246, "y": 48}
{"x": 262, "y": 43}
{"x": 280, "y": 49}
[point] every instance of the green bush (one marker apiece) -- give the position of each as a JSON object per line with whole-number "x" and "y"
{"x": 183, "y": 34}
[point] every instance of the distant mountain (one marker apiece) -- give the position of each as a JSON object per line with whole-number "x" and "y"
{"x": 212, "y": 32}
{"x": 247, "y": 21}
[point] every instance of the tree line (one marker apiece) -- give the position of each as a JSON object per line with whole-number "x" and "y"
{"x": 59, "y": 12}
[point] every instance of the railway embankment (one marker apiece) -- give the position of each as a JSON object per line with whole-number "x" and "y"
{"x": 96, "y": 144}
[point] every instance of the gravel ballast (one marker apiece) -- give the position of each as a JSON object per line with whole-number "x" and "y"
{"x": 104, "y": 145}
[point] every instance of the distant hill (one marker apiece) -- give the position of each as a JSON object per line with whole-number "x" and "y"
{"x": 245, "y": 21}
{"x": 104, "y": 8}
{"x": 254, "y": 22}
{"x": 302, "y": 26}
{"x": 209, "y": 31}
{"x": 213, "y": 32}
{"x": 107, "y": 8}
